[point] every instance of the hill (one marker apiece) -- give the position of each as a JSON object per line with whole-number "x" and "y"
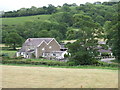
{"x": 22, "y": 20}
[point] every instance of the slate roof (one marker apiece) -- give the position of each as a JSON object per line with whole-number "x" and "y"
{"x": 101, "y": 42}
{"x": 104, "y": 51}
{"x": 63, "y": 46}
{"x": 34, "y": 42}
{"x": 60, "y": 52}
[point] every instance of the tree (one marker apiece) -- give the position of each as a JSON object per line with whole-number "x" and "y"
{"x": 81, "y": 21}
{"x": 83, "y": 51}
{"x": 66, "y": 9}
{"x": 56, "y": 34}
{"x": 99, "y": 19}
{"x": 113, "y": 36}
{"x": 112, "y": 31}
{"x": 43, "y": 33}
{"x": 51, "y": 9}
{"x": 70, "y": 34}
{"x": 63, "y": 17}
{"x": 81, "y": 54}
{"x": 13, "y": 40}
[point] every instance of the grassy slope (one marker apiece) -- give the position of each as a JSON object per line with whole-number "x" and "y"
{"x": 21, "y": 20}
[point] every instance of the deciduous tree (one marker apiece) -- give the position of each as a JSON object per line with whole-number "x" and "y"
{"x": 13, "y": 40}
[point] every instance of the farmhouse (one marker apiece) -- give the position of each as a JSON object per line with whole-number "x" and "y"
{"x": 42, "y": 47}
{"x": 102, "y": 50}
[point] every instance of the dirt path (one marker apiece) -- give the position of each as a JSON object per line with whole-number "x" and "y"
{"x": 45, "y": 77}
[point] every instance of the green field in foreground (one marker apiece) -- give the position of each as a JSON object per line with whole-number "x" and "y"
{"x": 47, "y": 77}
{"x": 21, "y": 20}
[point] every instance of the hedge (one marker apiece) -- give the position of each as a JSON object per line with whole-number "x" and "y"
{"x": 49, "y": 63}
{"x": 104, "y": 64}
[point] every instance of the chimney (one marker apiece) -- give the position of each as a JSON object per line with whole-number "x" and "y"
{"x": 29, "y": 39}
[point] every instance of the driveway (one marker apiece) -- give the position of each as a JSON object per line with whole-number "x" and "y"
{"x": 108, "y": 60}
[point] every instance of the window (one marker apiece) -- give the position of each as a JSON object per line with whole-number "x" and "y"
{"x": 50, "y": 47}
{"x": 43, "y": 49}
{"x": 54, "y": 54}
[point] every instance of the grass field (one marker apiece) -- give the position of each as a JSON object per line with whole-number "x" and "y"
{"x": 46, "y": 77}
{"x": 7, "y": 51}
{"x": 21, "y": 20}
{"x": 10, "y": 53}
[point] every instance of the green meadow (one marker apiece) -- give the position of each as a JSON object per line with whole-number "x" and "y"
{"x": 22, "y": 20}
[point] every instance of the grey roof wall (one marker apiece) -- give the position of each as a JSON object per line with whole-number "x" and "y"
{"x": 34, "y": 42}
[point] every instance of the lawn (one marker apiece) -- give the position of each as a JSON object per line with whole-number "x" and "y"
{"x": 7, "y": 51}
{"x": 10, "y": 53}
{"x": 47, "y": 77}
{"x": 21, "y": 20}
{"x": 115, "y": 61}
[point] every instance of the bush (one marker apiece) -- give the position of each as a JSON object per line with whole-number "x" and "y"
{"x": 66, "y": 55}
{"x": 41, "y": 57}
{"x": 70, "y": 63}
{"x": 20, "y": 57}
{"x": 28, "y": 60}
{"x": 5, "y": 56}
{"x": 104, "y": 64}
{"x": 105, "y": 54}
{"x": 40, "y": 62}
{"x": 83, "y": 58}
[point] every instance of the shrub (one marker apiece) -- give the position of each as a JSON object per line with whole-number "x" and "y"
{"x": 28, "y": 60}
{"x": 40, "y": 62}
{"x": 105, "y": 54}
{"x": 41, "y": 57}
{"x": 20, "y": 57}
{"x": 83, "y": 58}
{"x": 104, "y": 64}
{"x": 71, "y": 63}
{"x": 5, "y": 55}
{"x": 66, "y": 55}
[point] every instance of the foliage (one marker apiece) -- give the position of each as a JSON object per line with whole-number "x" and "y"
{"x": 31, "y": 11}
{"x": 87, "y": 23}
{"x": 100, "y": 65}
{"x": 4, "y": 55}
{"x": 63, "y": 17}
{"x": 9, "y": 53}
{"x": 105, "y": 54}
{"x": 104, "y": 64}
{"x": 35, "y": 62}
{"x": 13, "y": 40}
{"x": 66, "y": 55}
{"x": 83, "y": 51}
{"x": 81, "y": 54}
{"x": 113, "y": 33}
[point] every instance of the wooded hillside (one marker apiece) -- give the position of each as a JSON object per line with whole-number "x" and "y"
{"x": 70, "y": 21}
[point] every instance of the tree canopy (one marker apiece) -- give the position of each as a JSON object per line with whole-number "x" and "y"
{"x": 86, "y": 23}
